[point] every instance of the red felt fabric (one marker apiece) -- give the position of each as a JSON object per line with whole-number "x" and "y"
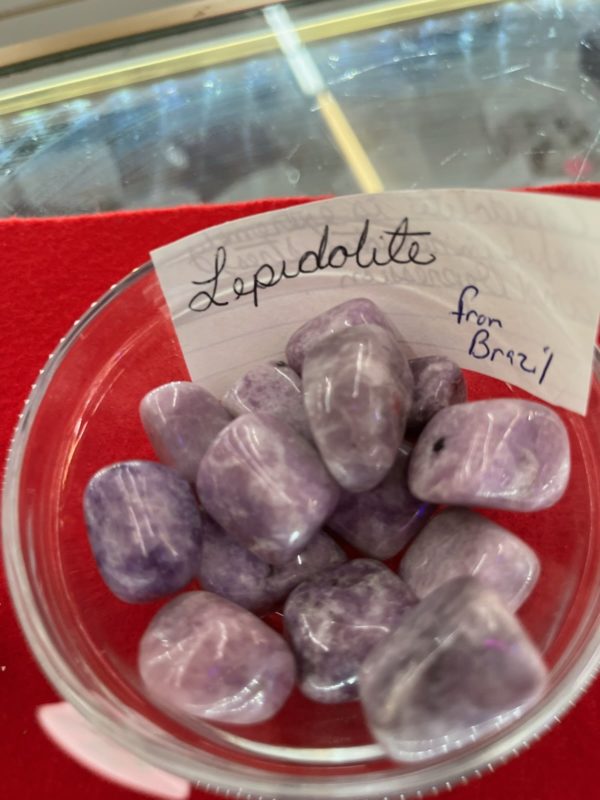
{"x": 51, "y": 270}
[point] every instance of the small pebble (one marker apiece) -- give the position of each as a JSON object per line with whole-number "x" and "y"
{"x": 229, "y": 570}
{"x": 357, "y": 394}
{"x": 335, "y": 619}
{"x": 204, "y": 656}
{"x": 459, "y": 665}
{"x": 358, "y": 311}
{"x": 181, "y": 419}
{"x": 273, "y": 389}
{"x": 460, "y": 542}
{"x": 382, "y": 521}
{"x": 439, "y": 383}
{"x": 503, "y": 453}
{"x": 266, "y": 486}
{"x": 144, "y": 527}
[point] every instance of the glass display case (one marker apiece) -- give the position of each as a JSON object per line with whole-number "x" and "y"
{"x": 306, "y": 98}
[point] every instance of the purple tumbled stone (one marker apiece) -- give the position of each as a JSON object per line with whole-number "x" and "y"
{"x": 359, "y": 311}
{"x": 228, "y": 569}
{"x": 272, "y": 389}
{"x": 458, "y": 666}
{"x": 460, "y": 542}
{"x": 357, "y": 393}
{"x": 382, "y": 521}
{"x": 439, "y": 383}
{"x": 503, "y": 453}
{"x": 144, "y": 527}
{"x": 266, "y": 486}
{"x": 181, "y": 419}
{"x": 204, "y": 656}
{"x": 336, "y": 618}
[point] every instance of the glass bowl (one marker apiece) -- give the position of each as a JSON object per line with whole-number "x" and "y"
{"x": 82, "y": 415}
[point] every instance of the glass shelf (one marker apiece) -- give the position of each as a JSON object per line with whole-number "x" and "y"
{"x": 308, "y": 98}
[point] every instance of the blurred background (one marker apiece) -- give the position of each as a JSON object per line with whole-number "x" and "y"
{"x": 107, "y": 105}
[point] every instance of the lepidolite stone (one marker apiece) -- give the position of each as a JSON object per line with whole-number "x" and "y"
{"x": 229, "y": 570}
{"x": 439, "y": 383}
{"x": 266, "y": 486}
{"x": 181, "y": 419}
{"x": 460, "y": 542}
{"x": 458, "y": 666}
{"x": 382, "y": 521}
{"x": 273, "y": 389}
{"x": 204, "y": 656}
{"x": 357, "y": 394}
{"x": 144, "y": 527}
{"x": 358, "y": 311}
{"x": 502, "y": 453}
{"x": 336, "y": 618}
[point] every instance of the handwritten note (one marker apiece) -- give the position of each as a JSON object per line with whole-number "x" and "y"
{"x": 506, "y": 284}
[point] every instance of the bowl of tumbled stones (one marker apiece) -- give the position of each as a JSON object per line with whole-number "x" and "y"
{"x": 341, "y": 570}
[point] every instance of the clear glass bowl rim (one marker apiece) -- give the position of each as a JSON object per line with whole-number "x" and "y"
{"x": 220, "y": 775}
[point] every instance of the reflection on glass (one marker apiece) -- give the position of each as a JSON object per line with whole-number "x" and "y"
{"x": 496, "y": 96}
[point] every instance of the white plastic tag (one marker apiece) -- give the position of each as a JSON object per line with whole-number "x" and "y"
{"x": 504, "y": 283}
{"x": 70, "y": 731}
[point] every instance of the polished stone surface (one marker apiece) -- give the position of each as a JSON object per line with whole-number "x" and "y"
{"x": 266, "y": 486}
{"x": 460, "y": 542}
{"x": 204, "y": 656}
{"x": 357, "y": 394}
{"x": 439, "y": 382}
{"x": 273, "y": 389}
{"x": 459, "y": 665}
{"x": 229, "y": 570}
{"x": 358, "y": 311}
{"x": 144, "y": 527}
{"x": 181, "y": 419}
{"x": 503, "y": 453}
{"x": 336, "y": 618}
{"x": 383, "y": 520}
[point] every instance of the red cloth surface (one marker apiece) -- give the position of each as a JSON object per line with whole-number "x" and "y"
{"x": 52, "y": 270}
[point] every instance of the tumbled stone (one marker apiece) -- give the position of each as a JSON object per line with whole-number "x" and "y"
{"x": 459, "y": 665}
{"x": 382, "y": 521}
{"x": 357, "y": 393}
{"x": 460, "y": 542}
{"x": 181, "y": 419}
{"x": 503, "y": 453}
{"x": 266, "y": 486}
{"x": 144, "y": 527}
{"x": 229, "y": 570}
{"x": 439, "y": 383}
{"x": 336, "y": 618}
{"x": 358, "y": 311}
{"x": 206, "y": 657}
{"x": 273, "y": 389}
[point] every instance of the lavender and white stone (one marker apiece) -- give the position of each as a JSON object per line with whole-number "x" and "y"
{"x": 272, "y": 389}
{"x": 358, "y": 311}
{"x": 336, "y": 618}
{"x": 382, "y": 521}
{"x": 458, "y": 542}
{"x": 439, "y": 383}
{"x": 458, "y": 666}
{"x": 357, "y": 394}
{"x": 229, "y": 570}
{"x": 503, "y": 453}
{"x": 144, "y": 527}
{"x": 206, "y": 657}
{"x": 266, "y": 486}
{"x": 181, "y": 419}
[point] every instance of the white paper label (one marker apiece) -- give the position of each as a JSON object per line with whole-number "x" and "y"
{"x": 506, "y": 284}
